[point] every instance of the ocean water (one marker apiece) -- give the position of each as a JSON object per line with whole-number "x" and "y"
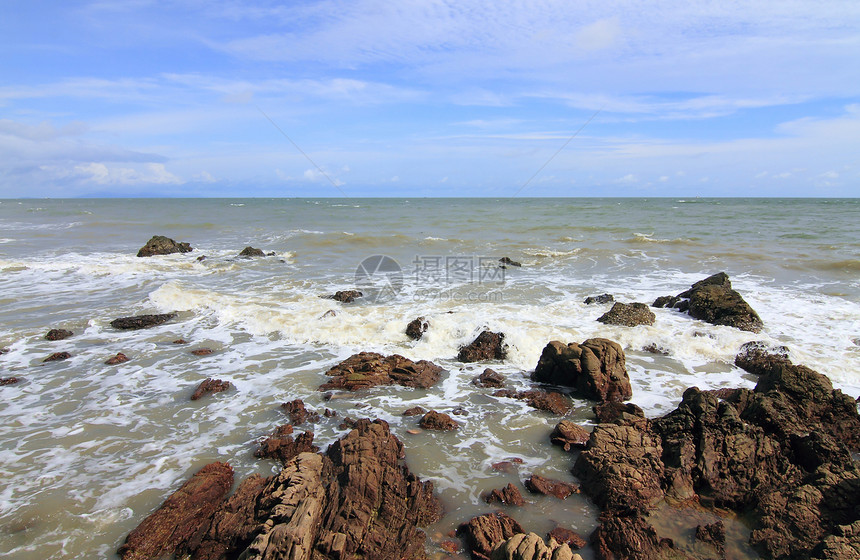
{"x": 88, "y": 450}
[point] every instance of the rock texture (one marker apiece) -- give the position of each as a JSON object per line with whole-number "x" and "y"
{"x": 713, "y": 300}
{"x": 120, "y": 358}
{"x": 487, "y": 346}
{"x": 298, "y": 412}
{"x": 489, "y": 379}
{"x": 573, "y": 539}
{"x": 602, "y": 298}
{"x": 539, "y": 485}
{"x": 438, "y": 421}
{"x": 346, "y": 296}
{"x": 249, "y": 252}
{"x": 141, "y": 321}
{"x": 58, "y": 334}
{"x": 369, "y": 369}
{"x": 509, "y": 495}
{"x": 549, "y": 401}
{"x": 210, "y": 386}
{"x": 596, "y": 369}
{"x": 531, "y": 547}
{"x": 9, "y": 381}
{"x": 282, "y": 447}
{"x": 57, "y": 357}
{"x": 482, "y": 533}
{"x": 628, "y": 315}
{"x": 417, "y": 327}
{"x": 569, "y": 435}
{"x": 160, "y": 245}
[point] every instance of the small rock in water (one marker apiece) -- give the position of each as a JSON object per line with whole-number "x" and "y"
{"x": 416, "y": 328}
{"x": 298, "y": 413}
{"x": 487, "y": 346}
{"x": 118, "y": 359}
{"x": 282, "y": 447}
{"x": 201, "y": 258}
{"x": 202, "y": 351}
{"x": 210, "y": 386}
{"x": 540, "y": 485}
{"x": 160, "y": 245}
{"x": 58, "y": 334}
{"x": 509, "y": 495}
{"x": 414, "y": 411}
{"x": 8, "y": 381}
{"x": 57, "y": 356}
{"x": 180, "y": 341}
{"x": 602, "y": 298}
{"x": 345, "y": 296}
{"x": 249, "y": 252}
{"x": 490, "y": 378}
{"x": 856, "y": 341}
{"x": 654, "y": 348}
{"x": 714, "y": 534}
{"x": 141, "y": 321}
{"x": 566, "y": 536}
{"x": 329, "y": 313}
{"x": 438, "y": 421}
{"x": 509, "y": 262}
{"x": 569, "y": 435}
{"x": 628, "y": 315}
{"x": 4, "y": 351}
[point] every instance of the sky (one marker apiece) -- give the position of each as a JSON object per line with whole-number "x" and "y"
{"x": 502, "y": 98}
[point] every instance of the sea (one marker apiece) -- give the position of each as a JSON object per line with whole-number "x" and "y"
{"x": 88, "y": 450}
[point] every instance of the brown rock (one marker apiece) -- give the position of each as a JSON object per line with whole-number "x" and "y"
{"x": 141, "y": 321}
{"x": 713, "y": 534}
{"x": 8, "y": 381}
{"x": 249, "y": 252}
{"x": 449, "y": 546}
{"x": 346, "y": 296}
{"x": 603, "y": 298}
{"x": 160, "y": 245}
{"x": 57, "y": 356}
{"x": 414, "y": 411}
{"x": 298, "y": 413}
{"x": 567, "y": 536}
{"x": 531, "y": 547}
{"x": 481, "y": 534}
{"x": 416, "y": 328}
{"x": 202, "y": 352}
{"x": 58, "y": 334}
{"x": 489, "y": 379}
{"x": 628, "y": 315}
{"x": 118, "y": 359}
{"x": 549, "y": 401}
{"x": 569, "y": 435}
{"x": 759, "y": 357}
{"x": 507, "y": 261}
{"x": 595, "y": 368}
{"x": 509, "y": 495}
{"x": 713, "y": 300}
{"x": 210, "y": 386}
{"x": 182, "y": 515}
{"x": 282, "y": 447}
{"x": 180, "y": 341}
{"x": 539, "y": 485}
{"x": 487, "y": 346}
{"x": 369, "y": 369}
{"x": 613, "y": 412}
{"x": 627, "y": 536}
{"x": 508, "y": 466}
{"x": 438, "y": 421}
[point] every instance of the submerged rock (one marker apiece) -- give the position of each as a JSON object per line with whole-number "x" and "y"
{"x": 509, "y": 495}
{"x": 202, "y": 352}
{"x": 489, "y": 379}
{"x": 628, "y": 315}
{"x": 438, "y": 421}
{"x": 416, "y": 328}
{"x": 713, "y": 300}
{"x": 209, "y": 387}
{"x": 414, "y": 411}
{"x": 540, "y": 485}
{"x": 57, "y": 357}
{"x": 549, "y": 401}
{"x": 346, "y": 296}
{"x": 298, "y": 413}
{"x": 118, "y": 359}
{"x": 58, "y": 334}
{"x": 508, "y": 262}
{"x": 141, "y": 321}
{"x": 160, "y": 245}
{"x": 487, "y": 346}
{"x": 482, "y": 533}
{"x": 369, "y": 369}
{"x": 602, "y": 298}
{"x": 567, "y": 536}
{"x": 249, "y": 252}
{"x": 8, "y": 381}
{"x": 596, "y": 369}
{"x": 569, "y": 435}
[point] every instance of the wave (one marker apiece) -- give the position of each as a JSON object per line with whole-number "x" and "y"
{"x": 649, "y": 238}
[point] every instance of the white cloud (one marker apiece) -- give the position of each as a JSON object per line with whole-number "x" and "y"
{"x": 147, "y": 174}
{"x": 601, "y": 34}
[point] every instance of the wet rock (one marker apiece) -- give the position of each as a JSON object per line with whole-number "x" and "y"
{"x": 438, "y": 421}
{"x": 537, "y": 484}
{"x": 210, "y": 386}
{"x": 202, "y": 352}
{"x": 58, "y": 334}
{"x": 298, "y": 413}
{"x": 180, "y": 341}
{"x": 369, "y": 369}
{"x": 508, "y": 262}
{"x": 628, "y": 315}
{"x": 4, "y": 351}
{"x": 627, "y": 414}
{"x": 757, "y": 357}
{"x": 602, "y": 298}
{"x": 655, "y": 348}
{"x": 160, "y": 245}
{"x": 281, "y": 446}
{"x": 249, "y": 252}
{"x": 596, "y": 369}
{"x": 627, "y": 536}
{"x": 489, "y": 379}
{"x": 549, "y": 401}
{"x": 567, "y": 536}
{"x": 569, "y": 435}
{"x": 713, "y": 300}
{"x": 417, "y": 327}
{"x": 182, "y": 515}
{"x": 346, "y": 296}
{"x": 414, "y": 411}
{"x": 8, "y": 381}
{"x": 509, "y": 466}
{"x": 487, "y": 346}
{"x": 449, "y": 546}
{"x": 509, "y": 495}
{"x": 141, "y": 321}
{"x": 329, "y": 313}
{"x": 328, "y": 413}
{"x": 481, "y": 534}
{"x": 531, "y": 547}
{"x": 713, "y": 534}
{"x": 347, "y": 424}
{"x": 118, "y": 359}
{"x": 57, "y": 357}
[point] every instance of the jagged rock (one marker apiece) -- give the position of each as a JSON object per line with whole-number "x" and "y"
{"x": 282, "y": 447}
{"x": 210, "y": 386}
{"x": 482, "y": 533}
{"x": 438, "y": 421}
{"x": 627, "y": 536}
{"x": 141, "y": 321}
{"x": 613, "y": 412}
{"x": 298, "y": 413}
{"x": 549, "y": 401}
{"x": 713, "y": 534}
{"x": 414, "y": 411}
{"x": 8, "y": 381}
{"x": 567, "y": 536}
{"x": 346, "y": 296}
{"x": 118, "y": 359}
{"x": 509, "y": 495}
{"x": 602, "y": 298}
{"x": 508, "y": 466}
{"x": 160, "y": 245}
{"x": 182, "y": 515}
{"x": 508, "y": 262}
{"x": 58, "y": 334}
{"x": 57, "y": 357}
{"x": 539, "y": 485}
{"x": 489, "y": 379}
{"x": 595, "y": 368}
{"x": 249, "y": 252}
{"x": 531, "y": 547}
{"x": 758, "y": 356}
{"x": 713, "y": 300}
{"x": 487, "y": 346}
{"x": 628, "y": 315}
{"x": 655, "y": 348}
{"x": 369, "y": 369}
{"x": 569, "y": 435}
{"x": 417, "y": 327}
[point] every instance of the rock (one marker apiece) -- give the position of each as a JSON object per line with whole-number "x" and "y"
{"x": 416, "y": 328}
{"x": 180, "y": 341}
{"x": 595, "y": 368}
{"x": 369, "y": 369}
{"x": 180, "y": 516}
{"x": 249, "y": 252}
{"x": 713, "y": 300}
{"x": 438, "y": 421}
{"x": 8, "y": 381}
{"x": 141, "y": 321}
{"x": 549, "y": 401}
{"x": 449, "y": 546}
{"x": 414, "y": 411}
{"x": 655, "y": 348}
{"x": 713, "y": 534}
{"x": 58, "y": 334}
{"x": 625, "y": 414}
{"x": 603, "y": 298}
{"x": 329, "y": 313}
{"x": 566, "y": 536}
{"x": 202, "y": 352}
{"x": 507, "y": 261}
{"x": 481, "y": 534}
{"x": 118, "y": 359}
{"x": 569, "y": 435}
{"x": 160, "y": 245}
{"x": 57, "y": 357}
{"x": 628, "y": 315}
{"x": 531, "y": 547}
{"x": 509, "y": 495}
{"x": 346, "y": 296}
{"x": 539, "y": 485}
{"x": 4, "y": 351}
{"x": 507, "y": 466}
{"x": 758, "y": 356}
{"x": 489, "y": 379}
{"x": 282, "y": 447}
{"x": 298, "y": 413}
{"x": 210, "y": 386}
{"x": 487, "y": 346}
{"x": 627, "y": 536}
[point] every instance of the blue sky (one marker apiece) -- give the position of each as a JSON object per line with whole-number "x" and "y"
{"x": 429, "y": 98}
